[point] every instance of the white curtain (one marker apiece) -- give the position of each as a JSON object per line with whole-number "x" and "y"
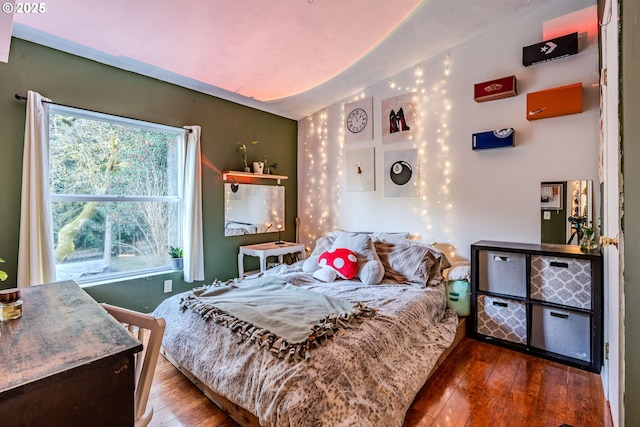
{"x": 192, "y": 208}
{"x": 36, "y": 260}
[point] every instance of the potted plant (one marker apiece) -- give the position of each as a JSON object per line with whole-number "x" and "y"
{"x": 243, "y": 149}
{"x": 3, "y": 275}
{"x": 272, "y": 167}
{"x": 176, "y": 261}
{"x": 588, "y": 240}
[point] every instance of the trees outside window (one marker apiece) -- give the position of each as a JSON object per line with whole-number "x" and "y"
{"x": 115, "y": 194}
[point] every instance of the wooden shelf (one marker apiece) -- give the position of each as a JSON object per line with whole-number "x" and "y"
{"x": 248, "y": 176}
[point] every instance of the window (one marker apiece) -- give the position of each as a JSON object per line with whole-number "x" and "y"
{"x": 115, "y": 194}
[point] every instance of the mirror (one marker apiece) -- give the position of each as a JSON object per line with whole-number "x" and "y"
{"x": 564, "y": 207}
{"x": 253, "y": 209}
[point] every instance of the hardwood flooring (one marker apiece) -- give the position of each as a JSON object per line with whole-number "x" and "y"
{"x": 478, "y": 385}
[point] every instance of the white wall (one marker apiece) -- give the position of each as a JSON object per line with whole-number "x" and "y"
{"x": 465, "y": 195}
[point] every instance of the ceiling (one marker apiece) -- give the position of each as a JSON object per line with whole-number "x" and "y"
{"x": 288, "y": 57}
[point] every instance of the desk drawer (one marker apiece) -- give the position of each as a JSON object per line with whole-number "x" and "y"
{"x": 565, "y": 281}
{"x": 502, "y": 318}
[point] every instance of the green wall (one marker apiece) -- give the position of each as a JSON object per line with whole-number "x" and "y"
{"x": 554, "y": 230}
{"x": 630, "y": 95}
{"x": 71, "y": 80}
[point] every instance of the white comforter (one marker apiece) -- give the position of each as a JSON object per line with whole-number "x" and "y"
{"x": 366, "y": 376}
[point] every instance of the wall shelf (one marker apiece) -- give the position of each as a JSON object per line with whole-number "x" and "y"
{"x": 248, "y": 176}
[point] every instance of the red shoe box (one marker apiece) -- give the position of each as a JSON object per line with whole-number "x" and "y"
{"x": 495, "y": 89}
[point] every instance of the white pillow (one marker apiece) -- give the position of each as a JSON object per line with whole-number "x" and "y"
{"x": 310, "y": 264}
{"x": 459, "y": 271}
{"x": 323, "y": 244}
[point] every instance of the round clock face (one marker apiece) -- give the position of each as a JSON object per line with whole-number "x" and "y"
{"x": 357, "y": 120}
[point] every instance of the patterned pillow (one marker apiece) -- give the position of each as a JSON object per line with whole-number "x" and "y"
{"x": 411, "y": 262}
{"x": 390, "y": 237}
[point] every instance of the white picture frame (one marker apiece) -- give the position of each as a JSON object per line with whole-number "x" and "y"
{"x": 360, "y": 169}
{"x": 402, "y": 173}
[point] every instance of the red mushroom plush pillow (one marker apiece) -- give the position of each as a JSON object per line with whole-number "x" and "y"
{"x": 340, "y": 262}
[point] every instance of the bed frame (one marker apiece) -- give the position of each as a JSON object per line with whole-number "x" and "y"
{"x": 247, "y": 419}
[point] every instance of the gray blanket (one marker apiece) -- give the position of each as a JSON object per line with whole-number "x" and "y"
{"x": 287, "y": 319}
{"x": 365, "y": 377}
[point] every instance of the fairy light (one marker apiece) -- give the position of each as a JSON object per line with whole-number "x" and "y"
{"x": 324, "y": 155}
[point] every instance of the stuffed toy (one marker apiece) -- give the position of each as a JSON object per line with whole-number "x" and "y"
{"x": 369, "y": 269}
{"x": 334, "y": 263}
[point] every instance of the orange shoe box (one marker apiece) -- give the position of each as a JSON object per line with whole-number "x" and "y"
{"x": 558, "y": 101}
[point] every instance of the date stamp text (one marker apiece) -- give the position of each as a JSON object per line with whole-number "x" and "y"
{"x": 26, "y": 8}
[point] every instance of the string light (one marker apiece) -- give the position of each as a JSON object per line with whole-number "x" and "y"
{"x": 324, "y": 153}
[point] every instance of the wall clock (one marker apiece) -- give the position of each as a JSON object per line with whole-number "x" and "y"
{"x": 358, "y": 120}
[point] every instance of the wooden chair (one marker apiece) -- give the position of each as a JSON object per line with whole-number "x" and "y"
{"x": 138, "y": 325}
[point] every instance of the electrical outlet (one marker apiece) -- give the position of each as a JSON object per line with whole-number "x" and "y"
{"x": 168, "y": 286}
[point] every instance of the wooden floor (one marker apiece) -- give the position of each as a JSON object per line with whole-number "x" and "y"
{"x": 478, "y": 385}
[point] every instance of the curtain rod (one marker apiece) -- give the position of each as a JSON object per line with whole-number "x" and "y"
{"x": 22, "y": 98}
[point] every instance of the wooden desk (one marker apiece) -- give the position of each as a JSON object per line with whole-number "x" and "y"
{"x": 65, "y": 362}
{"x": 264, "y": 250}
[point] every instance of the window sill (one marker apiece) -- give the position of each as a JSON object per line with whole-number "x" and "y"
{"x": 107, "y": 281}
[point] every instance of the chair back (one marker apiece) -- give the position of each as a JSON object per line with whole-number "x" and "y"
{"x": 146, "y": 329}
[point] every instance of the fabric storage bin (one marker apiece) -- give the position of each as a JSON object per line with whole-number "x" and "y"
{"x": 502, "y": 318}
{"x": 458, "y": 296}
{"x": 565, "y": 281}
{"x": 502, "y": 273}
{"x": 564, "y": 332}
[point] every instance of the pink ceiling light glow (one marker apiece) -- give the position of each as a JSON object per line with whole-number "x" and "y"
{"x": 262, "y": 49}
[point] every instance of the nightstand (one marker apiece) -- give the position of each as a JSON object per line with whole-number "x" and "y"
{"x": 264, "y": 250}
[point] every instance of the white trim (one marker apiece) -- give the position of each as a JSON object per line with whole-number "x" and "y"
{"x": 112, "y": 198}
{"x": 147, "y": 275}
{"x": 114, "y": 119}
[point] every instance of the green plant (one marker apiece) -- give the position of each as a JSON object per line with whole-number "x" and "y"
{"x": 273, "y": 166}
{"x": 243, "y": 149}
{"x": 589, "y": 230}
{"x": 3, "y": 275}
{"x": 175, "y": 252}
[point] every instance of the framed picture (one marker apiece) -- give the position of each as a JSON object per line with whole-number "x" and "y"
{"x": 360, "y": 169}
{"x": 551, "y": 196}
{"x": 399, "y": 116}
{"x": 358, "y": 121}
{"x": 401, "y": 174}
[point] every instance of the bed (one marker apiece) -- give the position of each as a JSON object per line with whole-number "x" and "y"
{"x": 363, "y": 376}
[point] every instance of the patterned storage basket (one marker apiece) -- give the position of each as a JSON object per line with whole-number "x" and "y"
{"x": 502, "y": 318}
{"x": 565, "y": 281}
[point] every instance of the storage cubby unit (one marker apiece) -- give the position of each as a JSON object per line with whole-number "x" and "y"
{"x": 541, "y": 299}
